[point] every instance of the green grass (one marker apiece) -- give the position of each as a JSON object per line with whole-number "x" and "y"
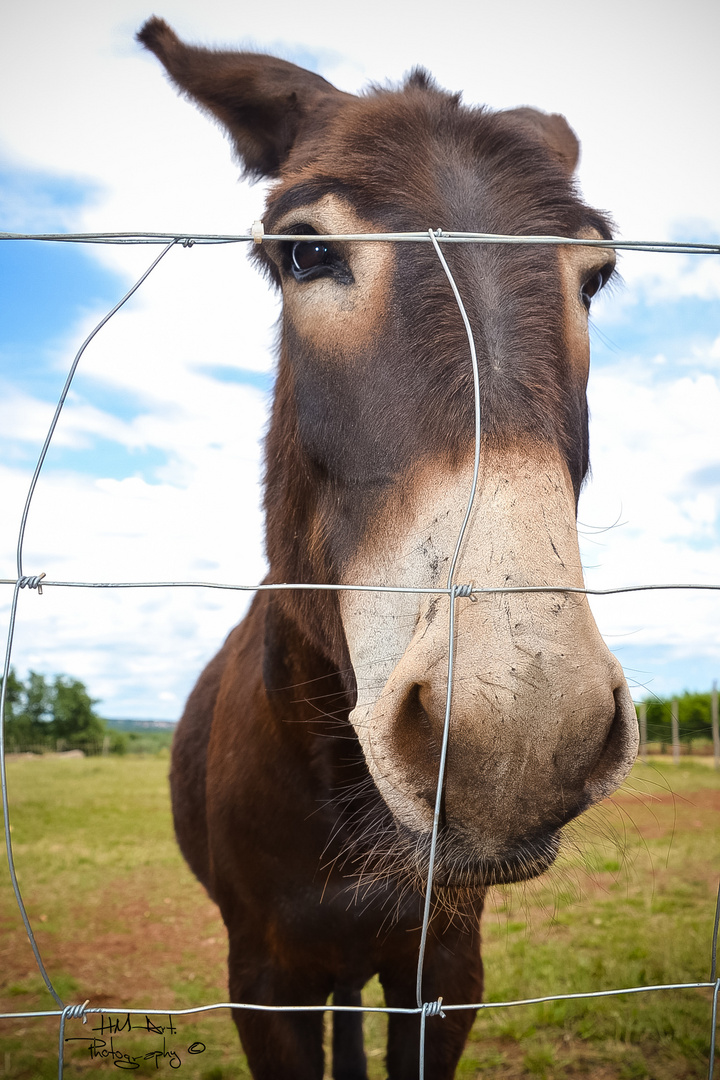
{"x": 120, "y": 920}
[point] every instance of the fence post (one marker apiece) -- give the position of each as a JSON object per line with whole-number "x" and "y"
{"x": 643, "y": 732}
{"x": 675, "y": 731}
{"x": 714, "y": 715}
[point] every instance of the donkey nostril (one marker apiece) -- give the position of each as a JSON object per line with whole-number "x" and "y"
{"x": 413, "y": 723}
{"x": 619, "y": 750}
{"x": 416, "y": 739}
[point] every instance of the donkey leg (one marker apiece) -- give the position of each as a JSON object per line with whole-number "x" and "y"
{"x": 282, "y": 1044}
{"x": 348, "y": 1051}
{"x": 287, "y": 1045}
{"x": 444, "y": 1043}
{"x": 453, "y": 970}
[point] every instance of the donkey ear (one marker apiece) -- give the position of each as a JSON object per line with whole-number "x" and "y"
{"x": 553, "y": 130}
{"x": 266, "y": 104}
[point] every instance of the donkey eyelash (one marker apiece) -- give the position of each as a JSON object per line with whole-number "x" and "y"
{"x": 595, "y": 283}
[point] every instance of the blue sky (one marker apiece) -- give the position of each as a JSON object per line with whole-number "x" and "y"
{"x": 45, "y": 286}
{"x": 154, "y": 474}
{"x": 46, "y": 289}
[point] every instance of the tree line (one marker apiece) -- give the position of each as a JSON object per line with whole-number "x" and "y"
{"x": 694, "y": 717}
{"x": 55, "y": 714}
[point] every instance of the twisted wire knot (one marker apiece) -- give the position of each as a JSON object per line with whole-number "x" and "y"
{"x": 187, "y": 242}
{"x": 464, "y": 590}
{"x": 32, "y": 582}
{"x": 76, "y": 1012}
{"x": 433, "y": 1008}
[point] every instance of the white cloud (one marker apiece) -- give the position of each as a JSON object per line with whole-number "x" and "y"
{"x": 646, "y": 518}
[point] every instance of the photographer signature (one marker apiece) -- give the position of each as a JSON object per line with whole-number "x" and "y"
{"x": 102, "y": 1047}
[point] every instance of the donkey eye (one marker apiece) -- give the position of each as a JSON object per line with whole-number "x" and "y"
{"x": 594, "y": 284}
{"x": 308, "y": 255}
{"x": 310, "y": 259}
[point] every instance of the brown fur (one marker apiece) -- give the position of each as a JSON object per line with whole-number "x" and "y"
{"x": 276, "y": 807}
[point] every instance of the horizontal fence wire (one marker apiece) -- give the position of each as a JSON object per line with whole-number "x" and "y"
{"x": 106, "y": 1010}
{"x": 423, "y": 1009}
{"x": 298, "y": 586}
{"x": 446, "y": 236}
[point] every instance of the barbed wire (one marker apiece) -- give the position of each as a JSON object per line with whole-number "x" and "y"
{"x": 423, "y": 1009}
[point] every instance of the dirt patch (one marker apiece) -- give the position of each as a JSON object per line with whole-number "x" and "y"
{"x": 658, "y": 814}
{"x": 704, "y": 798}
{"x": 136, "y": 945}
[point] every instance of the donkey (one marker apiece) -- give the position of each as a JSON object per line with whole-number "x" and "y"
{"x": 305, "y": 767}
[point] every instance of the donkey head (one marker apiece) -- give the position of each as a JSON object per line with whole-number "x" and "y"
{"x": 369, "y": 455}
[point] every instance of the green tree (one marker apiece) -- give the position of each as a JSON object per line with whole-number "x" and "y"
{"x": 39, "y": 713}
{"x": 16, "y": 729}
{"x": 13, "y": 694}
{"x": 28, "y": 710}
{"x": 693, "y": 717}
{"x": 37, "y": 702}
{"x": 74, "y": 718}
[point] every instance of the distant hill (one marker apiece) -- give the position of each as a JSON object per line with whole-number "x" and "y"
{"x": 140, "y": 725}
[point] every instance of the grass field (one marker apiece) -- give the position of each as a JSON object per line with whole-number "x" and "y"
{"x": 120, "y": 920}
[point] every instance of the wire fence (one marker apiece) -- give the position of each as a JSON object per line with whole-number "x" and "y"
{"x": 423, "y": 1009}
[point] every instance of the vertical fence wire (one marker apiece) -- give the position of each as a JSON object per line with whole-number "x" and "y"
{"x": 455, "y": 591}
{"x": 714, "y": 979}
